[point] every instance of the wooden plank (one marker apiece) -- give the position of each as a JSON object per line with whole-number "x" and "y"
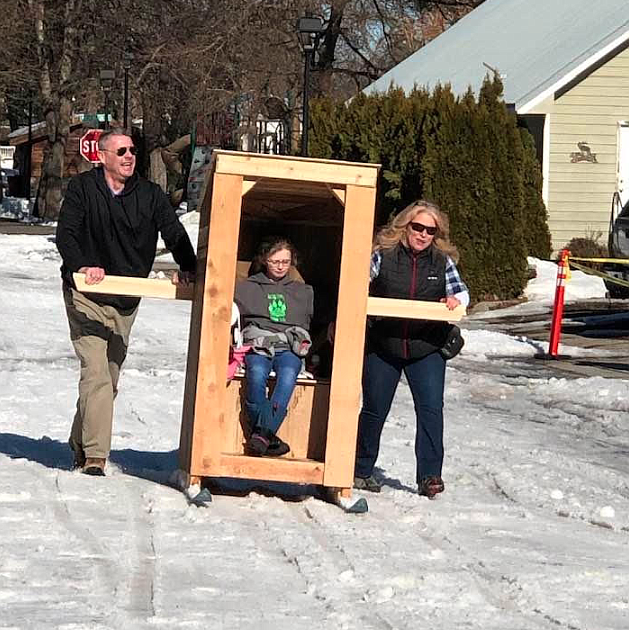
{"x": 351, "y": 319}
{"x": 270, "y": 469}
{"x": 220, "y": 271}
{"x": 293, "y": 158}
{"x": 253, "y": 165}
{"x": 192, "y": 362}
{"x": 413, "y": 309}
{"x": 135, "y": 287}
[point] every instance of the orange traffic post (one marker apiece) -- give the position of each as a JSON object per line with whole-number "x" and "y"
{"x": 555, "y": 328}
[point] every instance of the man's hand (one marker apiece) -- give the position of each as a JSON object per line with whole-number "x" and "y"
{"x": 93, "y": 275}
{"x": 451, "y": 302}
{"x": 183, "y": 278}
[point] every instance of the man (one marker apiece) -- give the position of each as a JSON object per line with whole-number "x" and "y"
{"x": 109, "y": 223}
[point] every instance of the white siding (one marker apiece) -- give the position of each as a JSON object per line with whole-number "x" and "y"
{"x": 580, "y": 193}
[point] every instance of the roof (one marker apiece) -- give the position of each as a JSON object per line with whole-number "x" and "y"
{"x": 38, "y": 131}
{"x": 537, "y": 46}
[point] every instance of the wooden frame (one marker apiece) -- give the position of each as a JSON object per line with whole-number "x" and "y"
{"x": 322, "y": 421}
{"x": 324, "y": 192}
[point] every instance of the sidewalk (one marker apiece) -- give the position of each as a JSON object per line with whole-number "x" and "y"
{"x": 11, "y": 226}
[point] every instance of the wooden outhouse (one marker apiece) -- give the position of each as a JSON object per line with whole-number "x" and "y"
{"x": 327, "y": 209}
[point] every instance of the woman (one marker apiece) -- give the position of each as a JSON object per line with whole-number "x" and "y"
{"x": 276, "y": 311}
{"x": 412, "y": 259}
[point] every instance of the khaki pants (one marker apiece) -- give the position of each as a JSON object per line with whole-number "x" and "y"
{"x": 100, "y": 336}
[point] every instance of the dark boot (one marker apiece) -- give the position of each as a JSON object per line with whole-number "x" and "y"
{"x": 277, "y": 447}
{"x": 263, "y": 443}
{"x": 430, "y": 486}
{"x": 257, "y": 445}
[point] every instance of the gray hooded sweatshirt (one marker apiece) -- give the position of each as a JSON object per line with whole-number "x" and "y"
{"x": 273, "y": 305}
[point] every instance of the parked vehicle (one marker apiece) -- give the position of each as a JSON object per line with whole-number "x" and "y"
{"x": 618, "y": 246}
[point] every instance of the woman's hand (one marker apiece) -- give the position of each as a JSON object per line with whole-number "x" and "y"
{"x": 451, "y": 302}
{"x": 93, "y": 275}
{"x": 183, "y": 278}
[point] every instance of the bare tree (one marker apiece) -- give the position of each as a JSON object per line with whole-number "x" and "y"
{"x": 193, "y": 58}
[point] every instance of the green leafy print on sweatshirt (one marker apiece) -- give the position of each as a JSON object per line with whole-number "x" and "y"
{"x": 277, "y": 307}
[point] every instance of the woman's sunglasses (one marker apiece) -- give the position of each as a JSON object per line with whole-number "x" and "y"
{"x": 120, "y": 151}
{"x": 431, "y": 230}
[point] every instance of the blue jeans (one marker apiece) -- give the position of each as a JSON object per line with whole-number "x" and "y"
{"x": 426, "y": 378}
{"x": 287, "y": 366}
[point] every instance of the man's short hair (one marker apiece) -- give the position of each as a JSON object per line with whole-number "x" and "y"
{"x": 115, "y": 131}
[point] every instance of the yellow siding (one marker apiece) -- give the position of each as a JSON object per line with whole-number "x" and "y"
{"x": 580, "y": 194}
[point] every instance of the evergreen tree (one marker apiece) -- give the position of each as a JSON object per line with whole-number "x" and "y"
{"x": 465, "y": 154}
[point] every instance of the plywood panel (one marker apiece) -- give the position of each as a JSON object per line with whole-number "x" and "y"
{"x": 349, "y": 340}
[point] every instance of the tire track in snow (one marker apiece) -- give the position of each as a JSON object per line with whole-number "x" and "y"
{"x": 499, "y": 591}
{"x": 325, "y": 567}
{"x": 130, "y": 581}
{"x": 107, "y": 580}
{"x": 141, "y": 591}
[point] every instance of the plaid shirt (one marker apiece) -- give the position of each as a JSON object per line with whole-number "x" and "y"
{"x": 454, "y": 284}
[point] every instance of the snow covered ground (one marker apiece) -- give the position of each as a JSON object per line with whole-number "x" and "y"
{"x": 531, "y": 533}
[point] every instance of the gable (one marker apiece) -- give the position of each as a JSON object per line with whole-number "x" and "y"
{"x": 536, "y": 46}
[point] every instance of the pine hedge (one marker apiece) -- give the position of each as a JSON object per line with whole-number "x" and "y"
{"x": 467, "y": 154}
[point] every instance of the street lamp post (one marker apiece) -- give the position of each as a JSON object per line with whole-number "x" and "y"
{"x": 107, "y": 78}
{"x": 309, "y": 29}
{"x": 127, "y": 59}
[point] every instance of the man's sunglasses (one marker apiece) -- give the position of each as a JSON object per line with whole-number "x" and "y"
{"x": 120, "y": 151}
{"x": 431, "y": 230}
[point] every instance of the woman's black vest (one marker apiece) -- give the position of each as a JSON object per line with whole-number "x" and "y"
{"x": 410, "y": 276}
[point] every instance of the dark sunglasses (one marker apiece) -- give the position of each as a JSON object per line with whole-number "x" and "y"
{"x": 420, "y": 227}
{"x": 120, "y": 151}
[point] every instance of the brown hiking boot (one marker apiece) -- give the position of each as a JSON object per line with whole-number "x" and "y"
{"x": 94, "y": 466}
{"x": 431, "y": 486}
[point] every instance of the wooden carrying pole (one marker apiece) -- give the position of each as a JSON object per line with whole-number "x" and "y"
{"x": 165, "y": 289}
{"x": 134, "y": 287}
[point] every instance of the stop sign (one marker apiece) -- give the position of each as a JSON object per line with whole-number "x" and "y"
{"x": 88, "y": 145}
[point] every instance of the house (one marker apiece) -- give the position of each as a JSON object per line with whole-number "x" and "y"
{"x": 565, "y": 69}
{"x": 33, "y": 149}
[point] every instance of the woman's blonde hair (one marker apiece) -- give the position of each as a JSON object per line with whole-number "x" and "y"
{"x": 394, "y": 232}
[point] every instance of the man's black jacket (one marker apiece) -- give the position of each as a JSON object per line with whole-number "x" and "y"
{"x": 118, "y": 232}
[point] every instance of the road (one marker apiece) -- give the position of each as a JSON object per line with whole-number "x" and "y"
{"x": 602, "y": 324}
